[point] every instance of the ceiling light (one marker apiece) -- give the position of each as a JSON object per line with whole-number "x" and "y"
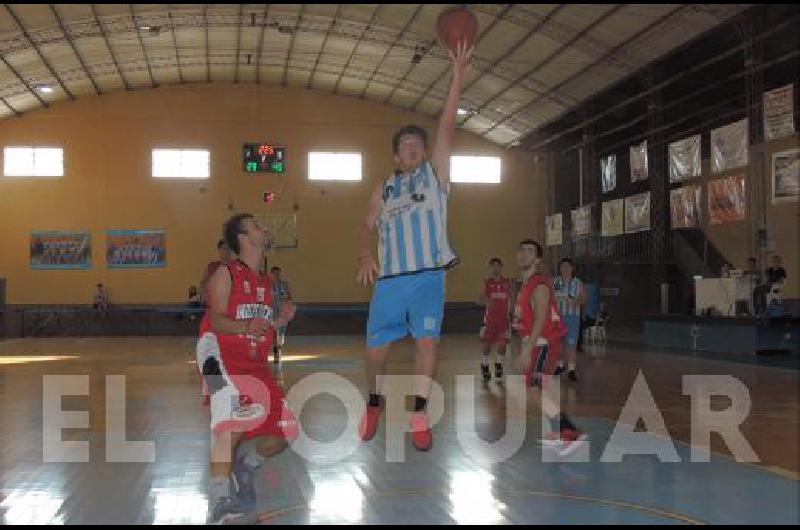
{"x": 44, "y": 89}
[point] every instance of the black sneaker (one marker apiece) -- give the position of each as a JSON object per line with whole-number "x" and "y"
{"x": 485, "y": 372}
{"x": 572, "y": 376}
{"x": 498, "y": 371}
{"x": 558, "y": 371}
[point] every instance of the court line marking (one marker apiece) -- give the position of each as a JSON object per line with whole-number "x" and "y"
{"x": 266, "y": 516}
{"x": 775, "y": 470}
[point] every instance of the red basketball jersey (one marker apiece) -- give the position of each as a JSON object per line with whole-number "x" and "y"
{"x": 524, "y": 314}
{"x": 251, "y": 297}
{"x": 498, "y": 301}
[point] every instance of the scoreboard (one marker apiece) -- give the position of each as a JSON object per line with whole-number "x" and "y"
{"x": 264, "y": 158}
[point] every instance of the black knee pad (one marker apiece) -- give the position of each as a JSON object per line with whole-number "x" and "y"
{"x": 213, "y": 375}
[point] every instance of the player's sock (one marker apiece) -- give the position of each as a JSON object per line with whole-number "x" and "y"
{"x": 374, "y": 400}
{"x": 248, "y": 450}
{"x": 498, "y": 366}
{"x": 219, "y": 487}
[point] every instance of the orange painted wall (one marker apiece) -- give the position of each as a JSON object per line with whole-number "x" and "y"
{"x": 107, "y": 185}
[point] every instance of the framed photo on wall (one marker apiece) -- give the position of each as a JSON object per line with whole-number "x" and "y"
{"x": 61, "y": 250}
{"x": 136, "y": 248}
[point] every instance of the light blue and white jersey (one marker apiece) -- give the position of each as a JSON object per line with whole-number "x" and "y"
{"x": 412, "y": 228}
{"x": 564, "y": 291}
{"x": 280, "y": 294}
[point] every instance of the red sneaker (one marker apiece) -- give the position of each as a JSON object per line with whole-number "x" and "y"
{"x": 369, "y": 422}
{"x": 551, "y": 439}
{"x": 421, "y": 435}
{"x": 565, "y": 441}
{"x": 571, "y": 440}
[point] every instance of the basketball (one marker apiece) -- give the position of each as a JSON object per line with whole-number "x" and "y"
{"x": 456, "y": 25}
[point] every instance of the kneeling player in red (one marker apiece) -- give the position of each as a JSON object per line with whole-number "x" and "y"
{"x": 249, "y": 416}
{"x": 496, "y": 295}
{"x": 541, "y": 328}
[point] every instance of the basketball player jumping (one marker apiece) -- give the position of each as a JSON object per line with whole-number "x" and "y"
{"x": 409, "y": 212}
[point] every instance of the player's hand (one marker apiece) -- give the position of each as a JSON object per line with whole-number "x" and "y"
{"x": 257, "y": 327}
{"x": 461, "y": 56}
{"x": 524, "y": 361}
{"x": 367, "y": 270}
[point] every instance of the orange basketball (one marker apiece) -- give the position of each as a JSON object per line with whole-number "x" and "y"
{"x": 456, "y": 25}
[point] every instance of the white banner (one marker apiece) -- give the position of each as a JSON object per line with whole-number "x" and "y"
{"x": 582, "y": 221}
{"x": 639, "y": 162}
{"x": 684, "y": 207}
{"x": 726, "y": 200}
{"x": 729, "y": 146}
{"x": 637, "y": 213}
{"x": 779, "y": 112}
{"x": 786, "y": 176}
{"x": 553, "y": 232}
{"x": 684, "y": 159}
{"x": 613, "y": 218}
{"x": 608, "y": 172}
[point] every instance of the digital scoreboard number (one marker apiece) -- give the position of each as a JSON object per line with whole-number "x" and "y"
{"x": 264, "y": 158}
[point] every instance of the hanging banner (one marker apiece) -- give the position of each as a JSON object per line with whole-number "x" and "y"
{"x": 726, "y": 200}
{"x": 612, "y": 221}
{"x": 729, "y": 146}
{"x": 639, "y": 162}
{"x": 779, "y": 112}
{"x": 637, "y": 213}
{"x": 582, "y": 221}
{"x": 553, "y": 233}
{"x": 786, "y": 176}
{"x": 684, "y": 207}
{"x": 608, "y": 173}
{"x": 684, "y": 159}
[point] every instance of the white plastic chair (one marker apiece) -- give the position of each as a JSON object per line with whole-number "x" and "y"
{"x": 597, "y": 333}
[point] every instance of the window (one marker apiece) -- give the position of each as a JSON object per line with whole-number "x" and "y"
{"x": 33, "y": 162}
{"x": 334, "y": 166}
{"x": 181, "y": 163}
{"x": 475, "y": 169}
